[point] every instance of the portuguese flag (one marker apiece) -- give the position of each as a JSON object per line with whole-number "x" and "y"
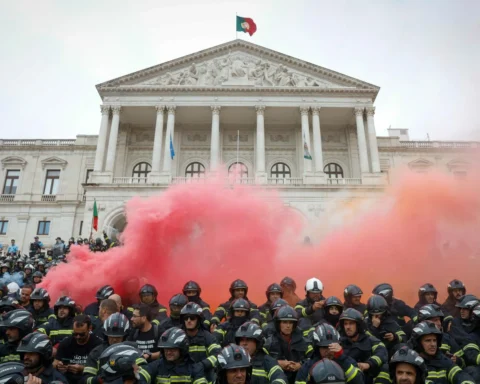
{"x": 247, "y": 25}
{"x": 95, "y": 216}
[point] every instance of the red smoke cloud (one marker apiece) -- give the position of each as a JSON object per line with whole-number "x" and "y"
{"x": 425, "y": 229}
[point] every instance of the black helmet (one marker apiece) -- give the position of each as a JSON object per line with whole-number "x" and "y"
{"x": 117, "y": 361}
{"x": 98, "y": 241}
{"x": 192, "y": 286}
{"x": 19, "y": 318}
{"x": 250, "y": 330}
{"x": 409, "y": 356}
{"x": 174, "y": 338}
{"x": 288, "y": 282}
{"x": 324, "y": 335}
{"x": 40, "y": 294}
{"x": 385, "y": 290}
{"x": 79, "y": 240}
{"x": 233, "y": 356}
{"x": 12, "y": 373}
{"x": 274, "y": 288}
{"x": 65, "y": 301}
{"x": 104, "y": 292}
{"x": 239, "y": 305}
{"x": 285, "y": 313}
{"x": 427, "y": 288}
{"x": 38, "y": 274}
{"x": 327, "y": 371}
{"x": 116, "y": 325}
{"x": 277, "y": 304}
{"x": 467, "y": 302}
{"x": 192, "y": 309}
{"x": 8, "y": 304}
{"x": 148, "y": 289}
{"x": 178, "y": 300}
{"x": 351, "y": 290}
{"x": 456, "y": 284}
{"x": 422, "y": 329}
{"x": 376, "y": 305}
{"x": 37, "y": 343}
{"x": 352, "y": 315}
{"x": 430, "y": 311}
{"x": 238, "y": 284}
{"x": 333, "y": 301}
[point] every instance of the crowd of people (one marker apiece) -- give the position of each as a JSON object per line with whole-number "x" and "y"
{"x": 317, "y": 339}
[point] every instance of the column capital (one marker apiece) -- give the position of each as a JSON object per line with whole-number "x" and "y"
{"x": 116, "y": 109}
{"x": 216, "y": 109}
{"x": 316, "y": 110}
{"x": 358, "y": 111}
{"x": 105, "y": 109}
{"x": 171, "y": 109}
{"x": 260, "y": 109}
{"x": 304, "y": 110}
{"x": 160, "y": 109}
{"x": 370, "y": 111}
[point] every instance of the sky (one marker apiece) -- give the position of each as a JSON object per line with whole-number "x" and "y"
{"x": 424, "y": 54}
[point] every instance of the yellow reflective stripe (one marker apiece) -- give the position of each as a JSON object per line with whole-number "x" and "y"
{"x": 377, "y": 360}
{"x": 471, "y": 346}
{"x": 130, "y": 309}
{"x": 211, "y": 347}
{"x": 198, "y": 381}
{"x": 57, "y": 332}
{"x": 215, "y": 318}
{"x": 453, "y": 372}
{"x": 213, "y": 360}
{"x": 445, "y": 347}
{"x": 300, "y": 382}
{"x": 156, "y": 322}
{"x": 307, "y": 332}
{"x": 279, "y": 381}
{"x": 42, "y": 330}
{"x": 162, "y": 310}
{"x": 196, "y": 348}
{"x": 459, "y": 353}
{"x": 89, "y": 380}
{"x": 273, "y": 370}
{"x": 415, "y": 319}
{"x": 140, "y": 361}
{"x": 221, "y": 309}
{"x": 438, "y": 374}
{"x": 263, "y": 314}
{"x": 309, "y": 349}
{"x": 206, "y": 322}
{"x": 375, "y": 347}
{"x": 255, "y": 321}
{"x": 52, "y": 317}
{"x": 146, "y": 375}
{"x": 400, "y": 335}
{"x": 219, "y": 330}
{"x": 383, "y": 375}
{"x": 91, "y": 370}
{"x": 259, "y": 372}
{"x": 478, "y": 359}
{"x": 206, "y": 308}
{"x": 6, "y": 359}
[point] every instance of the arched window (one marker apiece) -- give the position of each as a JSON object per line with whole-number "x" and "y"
{"x": 141, "y": 170}
{"x": 238, "y": 170}
{"x": 195, "y": 169}
{"x": 280, "y": 171}
{"x": 333, "y": 171}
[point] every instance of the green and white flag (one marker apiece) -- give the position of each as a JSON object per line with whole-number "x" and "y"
{"x": 306, "y": 151}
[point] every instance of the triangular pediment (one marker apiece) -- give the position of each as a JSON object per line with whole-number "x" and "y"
{"x": 458, "y": 164}
{"x": 54, "y": 160}
{"x": 13, "y": 161}
{"x": 237, "y": 64}
{"x": 420, "y": 163}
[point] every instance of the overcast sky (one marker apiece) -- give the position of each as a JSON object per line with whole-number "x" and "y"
{"x": 425, "y": 55}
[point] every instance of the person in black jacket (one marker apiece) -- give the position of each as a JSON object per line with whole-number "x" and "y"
{"x": 60, "y": 326}
{"x": 234, "y": 366}
{"x": 287, "y": 344}
{"x": 456, "y": 289}
{"x": 192, "y": 290}
{"x": 37, "y": 356}
{"x": 406, "y": 367}
{"x": 353, "y": 298}
{"x": 148, "y": 296}
{"x": 265, "y": 368}
{"x": 39, "y": 306}
{"x": 274, "y": 291}
{"x": 310, "y": 310}
{"x": 176, "y": 303}
{"x": 239, "y": 313}
{"x": 397, "y": 307}
{"x": 17, "y": 324}
{"x": 269, "y": 326}
{"x": 427, "y": 294}
{"x": 103, "y": 293}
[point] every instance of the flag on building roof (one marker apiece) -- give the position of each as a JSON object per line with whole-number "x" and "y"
{"x": 95, "y": 216}
{"x": 247, "y": 25}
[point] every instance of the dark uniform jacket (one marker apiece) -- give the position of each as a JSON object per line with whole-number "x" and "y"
{"x": 307, "y": 315}
{"x": 50, "y": 374}
{"x": 223, "y": 310}
{"x": 388, "y": 325}
{"x": 162, "y": 372}
{"x": 265, "y": 370}
{"x": 8, "y": 352}
{"x": 57, "y": 329}
{"x": 41, "y": 316}
{"x": 203, "y": 348}
{"x": 441, "y": 370}
{"x": 159, "y": 312}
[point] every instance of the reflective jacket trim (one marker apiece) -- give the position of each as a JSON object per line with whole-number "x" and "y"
{"x": 90, "y": 370}
{"x": 259, "y": 372}
{"x": 304, "y": 310}
{"x": 211, "y": 347}
{"x": 438, "y": 374}
{"x": 197, "y": 348}
{"x": 146, "y": 375}
{"x": 453, "y": 372}
{"x": 350, "y": 373}
{"x": 383, "y": 375}
{"x": 273, "y": 370}
{"x": 8, "y": 358}
{"x": 377, "y": 345}
{"x": 213, "y": 360}
{"x": 377, "y": 360}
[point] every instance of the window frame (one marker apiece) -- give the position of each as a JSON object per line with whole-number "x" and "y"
{"x": 243, "y": 170}
{"x": 275, "y": 173}
{"x": 141, "y": 173}
{"x": 335, "y": 173}
{"x": 45, "y": 226}
{"x": 3, "y": 227}
{"x": 47, "y": 178}
{"x": 87, "y": 175}
{"x": 195, "y": 174}
{"x": 12, "y": 179}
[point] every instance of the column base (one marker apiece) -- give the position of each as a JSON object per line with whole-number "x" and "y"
{"x": 159, "y": 178}
{"x": 101, "y": 178}
{"x": 374, "y": 179}
{"x": 261, "y": 178}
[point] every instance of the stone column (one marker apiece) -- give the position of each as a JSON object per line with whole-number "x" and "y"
{"x": 215, "y": 142}
{"x": 307, "y": 164}
{"x": 102, "y": 139}
{"x": 362, "y": 144}
{"x": 167, "y": 160}
{"x": 317, "y": 140}
{"x": 157, "y": 141}
{"x": 372, "y": 140}
{"x": 260, "y": 174}
{"x": 112, "y": 141}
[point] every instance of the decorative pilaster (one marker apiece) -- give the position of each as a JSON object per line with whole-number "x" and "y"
{"x": 157, "y": 141}
{"x": 307, "y": 163}
{"x": 317, "y": 140}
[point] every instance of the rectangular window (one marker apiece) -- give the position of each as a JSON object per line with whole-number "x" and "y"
{"x": 81, "y": 227}
{"x": 3, "y": 227}
{"x": 52, "y": 181}
{"x": 43, "y": 228}
{"x": 89, "y": 172}
{"x": 11, "y": 182}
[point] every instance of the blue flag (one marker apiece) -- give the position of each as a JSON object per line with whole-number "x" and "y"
{"x": 172, "y": 150}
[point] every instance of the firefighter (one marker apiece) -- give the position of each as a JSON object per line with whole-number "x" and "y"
{"x": 396, "y": 307}
{"x": 274, "y": 291}
{"x": 353, "y": 298}
{"x": 192, "y": 290}
{"x": 311, "y": 308}
{"x": 148, "y": 295}
{"x": 239, "y": 313}
{"x": 39, "y": 306}
{"x": 60, "y": 326}
{"x": 427, "y": 294}
{"x": 17, "y": 324}
{"x": 103, "y": 293}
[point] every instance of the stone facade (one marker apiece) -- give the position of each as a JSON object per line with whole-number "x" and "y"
{"x": 294, "y": 126}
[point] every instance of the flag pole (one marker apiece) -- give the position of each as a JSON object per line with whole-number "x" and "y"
{"x": 238, "y": 148}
